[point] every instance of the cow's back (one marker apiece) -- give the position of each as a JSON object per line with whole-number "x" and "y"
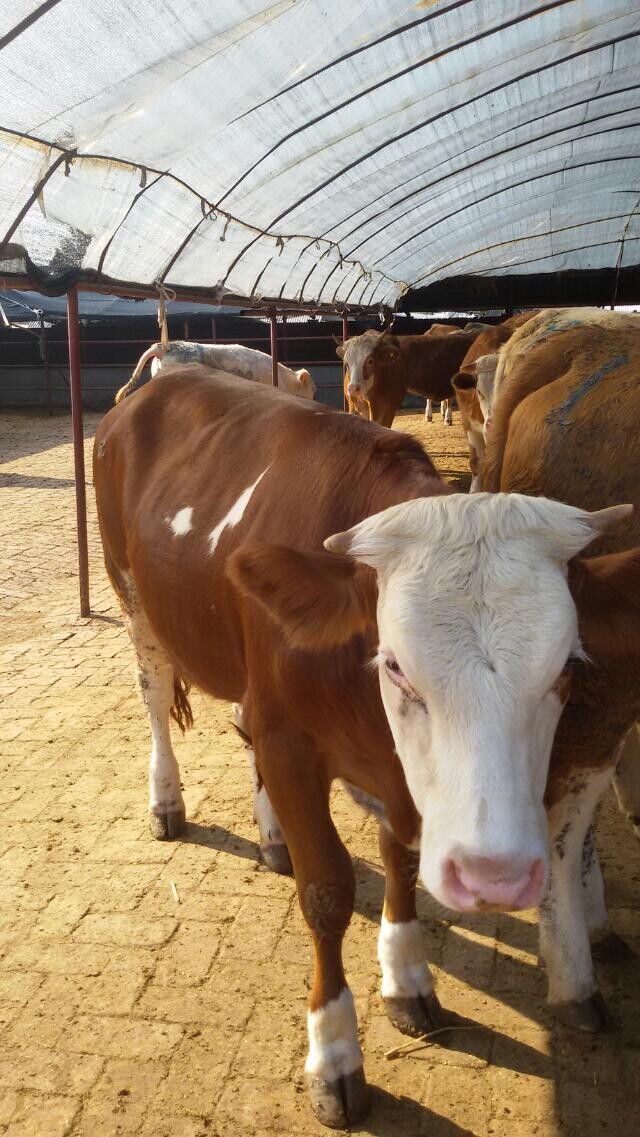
{"x": 199, "y": 461}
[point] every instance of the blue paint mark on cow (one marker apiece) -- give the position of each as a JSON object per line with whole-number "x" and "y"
{"x": 557, "y": 415}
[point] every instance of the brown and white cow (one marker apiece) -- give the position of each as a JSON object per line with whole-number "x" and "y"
{"x": 566, "y": 423}
{"x": 231, "y": 357}
{"x": 473, "y": 387}
{"x": 380, "y": 368}
{"x": 421, "y": 660}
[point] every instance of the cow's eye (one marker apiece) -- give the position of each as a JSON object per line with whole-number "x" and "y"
{"x": 397, "y": 676}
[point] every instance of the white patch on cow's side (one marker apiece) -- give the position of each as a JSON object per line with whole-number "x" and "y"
{"x": 181, "y": 523}
{"x": 155, "y": 680}
{"x": 405, "y": 973}
{"x": 234, "y": 516}
{"x": 564, "y": 932}
{"x": 334, "y": 1050}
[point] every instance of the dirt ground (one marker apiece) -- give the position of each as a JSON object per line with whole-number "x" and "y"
{"x": 130, "y": 1008}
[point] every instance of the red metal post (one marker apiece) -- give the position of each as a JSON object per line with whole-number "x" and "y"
{"x": 274, "y": 348}
{"x": 73, "y": 329}
{"x": 345, "y": 337}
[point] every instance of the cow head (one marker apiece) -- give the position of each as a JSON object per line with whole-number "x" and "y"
{"x": 477, "y": 630}
{"x": 363, "y": 355}
{"x": 307, "y": 385}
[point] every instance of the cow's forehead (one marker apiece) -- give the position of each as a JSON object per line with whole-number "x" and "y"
{"x": 358, "y": 348}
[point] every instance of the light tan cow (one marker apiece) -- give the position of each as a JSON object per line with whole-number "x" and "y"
{"x": 233, "y": 358}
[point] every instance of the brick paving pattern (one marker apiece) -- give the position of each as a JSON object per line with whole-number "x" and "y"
{"x": 126, "y": 1012}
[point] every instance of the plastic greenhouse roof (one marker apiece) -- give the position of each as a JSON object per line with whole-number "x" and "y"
{"x": 315, "y": 151}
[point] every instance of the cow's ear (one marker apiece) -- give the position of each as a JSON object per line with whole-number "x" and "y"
{"x": 464, "y": 381}
{"x": 388, "y": 348}
{"x": 319, "y": 600}
{"x": 606, "y": 591}
{"x": 340, "y": 346}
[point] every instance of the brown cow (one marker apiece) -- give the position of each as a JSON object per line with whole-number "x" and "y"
{"x": 473, "y": 396}
{"x": 446, "y": 405}
{"x": 566, "y": 423}
{"x": 215, "y": 499}
{"x": 380, "y": 368}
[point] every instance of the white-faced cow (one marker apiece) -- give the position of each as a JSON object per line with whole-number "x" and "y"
{"x": 231, "y": 357}
{"x": 380, "y": 368}
{"x": 422, "y": 659}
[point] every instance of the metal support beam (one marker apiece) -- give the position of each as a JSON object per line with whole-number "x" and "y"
{"x": 73, "y": 329}
{"x": 345, "y": 336}
{"x": 274, "y": 348}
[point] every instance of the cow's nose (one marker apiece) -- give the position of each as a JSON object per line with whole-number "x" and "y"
{"x": 494, "y": 882}
{"x": 353, "y": 389}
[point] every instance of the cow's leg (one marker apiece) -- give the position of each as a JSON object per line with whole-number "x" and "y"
{"x": 448, "y": 414}
{"x": 626, "y": 779}
{"x": 564, "y": 932}
{"x": 156, "y": 680}
{"x": 299, "y": 789}
{"x": 605, "y": 944}
{"x": 428, "y": 411}
{"x": 407, "y": 983}
{"x": 444, "y": 403}
{"x": 273, "y": 847}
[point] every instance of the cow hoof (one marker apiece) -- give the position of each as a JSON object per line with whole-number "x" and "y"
{"x": 166, "y": 824}
{"x": 276, "y": 858}
{"x": 418, "y": 1015}
{"x": 588, "y": 1015}
{"x": 612, "y": 949}
{"x": 339, "y": 1103}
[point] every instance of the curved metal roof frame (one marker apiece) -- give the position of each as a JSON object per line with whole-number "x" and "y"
{"x": 312, "y": 154}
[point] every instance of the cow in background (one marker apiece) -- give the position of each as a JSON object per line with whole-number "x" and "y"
{"x": 446, "y": 405}
{"x": 565, "y": 424}
{"x": 233, "y": 358}
{"x": 473, "y": 387}
{"x": 380, "y": 368}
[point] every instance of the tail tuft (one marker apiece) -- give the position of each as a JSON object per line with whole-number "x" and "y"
{"x": 181, "y": 709}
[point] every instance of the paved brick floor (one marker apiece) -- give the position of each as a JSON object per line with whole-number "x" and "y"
{"x": 126, "y": 1012}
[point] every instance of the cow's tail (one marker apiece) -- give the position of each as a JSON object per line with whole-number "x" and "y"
{"x": 181, "y": 707}
{"x": 156, "y": 351}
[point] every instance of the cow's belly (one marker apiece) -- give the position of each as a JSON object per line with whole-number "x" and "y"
{"x": 368, "y": 802}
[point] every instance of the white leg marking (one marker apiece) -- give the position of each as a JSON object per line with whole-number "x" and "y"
{"x": 334, "y": 1050}
{"x": 476, "y": 484}
{"x": 405, "y": 972}
{"x": 428, "y": 414}
{"x": 564, "y": 934}
{"x": 263, "y": 811}
{"x": 155, "y": 680}
{"x": 181, "y": 523}
{"x": 595, "y": 905}
{"x": 234, "y": 515}
{"x": 448, "y": 417}
{"x": 444, "y": 405}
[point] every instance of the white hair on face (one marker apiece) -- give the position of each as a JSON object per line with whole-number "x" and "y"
{"x": 464, "y": 519}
